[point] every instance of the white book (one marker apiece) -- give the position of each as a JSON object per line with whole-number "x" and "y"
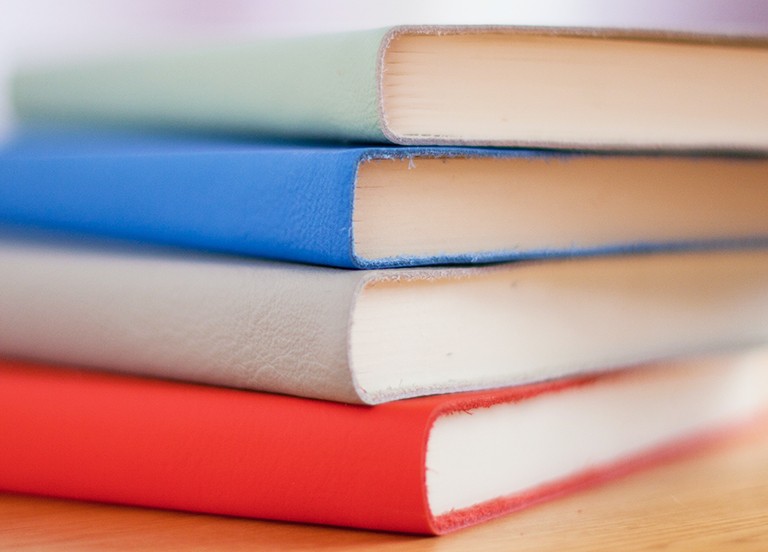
{"x": 370, "y": 336}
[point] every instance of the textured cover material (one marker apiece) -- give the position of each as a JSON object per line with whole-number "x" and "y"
{"x": 172, "y": 445}
{"x": 290, "y": 328}
{"x": 323, "y": 87}
{"x": 282, "y": 201}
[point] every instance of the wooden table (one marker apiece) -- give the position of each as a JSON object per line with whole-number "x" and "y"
{"x": 716, "y": 500}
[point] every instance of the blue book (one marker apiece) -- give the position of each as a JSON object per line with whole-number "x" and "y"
{"x": 360, "y": 206}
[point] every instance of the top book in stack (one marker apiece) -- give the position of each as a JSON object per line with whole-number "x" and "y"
{"x": 495, "y": 86}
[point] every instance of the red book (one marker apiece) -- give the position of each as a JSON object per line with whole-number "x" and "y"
{"x": 427, "y": 465}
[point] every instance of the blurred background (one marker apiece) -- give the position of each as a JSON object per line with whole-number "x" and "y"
{"x": 34, "y": 31}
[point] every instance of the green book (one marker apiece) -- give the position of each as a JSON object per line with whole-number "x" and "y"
{"x": 497, "y": 86}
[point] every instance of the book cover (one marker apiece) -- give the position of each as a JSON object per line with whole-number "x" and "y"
{"x": 367, "y": 207}
{"x": 369, "y": 336}
{"x": 429, "y": 465}
{"x": 524, "y": 86}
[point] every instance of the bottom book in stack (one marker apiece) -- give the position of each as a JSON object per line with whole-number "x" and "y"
{"x": 427, "y": 465}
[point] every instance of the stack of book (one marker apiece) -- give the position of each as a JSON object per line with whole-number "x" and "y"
{"x": 321, "y": 280}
